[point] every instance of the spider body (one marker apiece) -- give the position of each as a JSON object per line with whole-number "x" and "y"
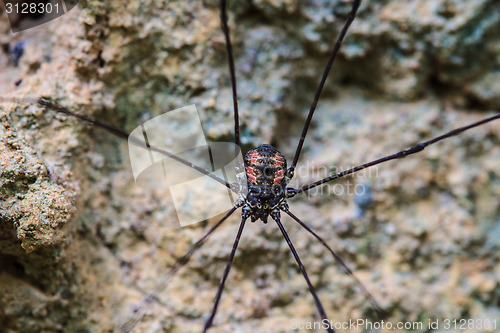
{"x": 267, "y": 178}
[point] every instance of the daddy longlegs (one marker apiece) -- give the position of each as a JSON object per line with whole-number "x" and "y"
{"x": 413, "y": 150}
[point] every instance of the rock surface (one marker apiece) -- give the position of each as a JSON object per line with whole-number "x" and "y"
{"x": 81, "y": 243}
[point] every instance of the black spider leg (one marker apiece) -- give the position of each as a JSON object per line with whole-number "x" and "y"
{"x": 319, "y": 306}
{"x": 402, "y": 154}
{"x": 339, "y": 260}
{"x": 210, "y": 320}
{"x": 165, "y": 279}
{"x": 230, "y": 59}
{"x": 115, "y": 131}
{"x": 350, "y": 18}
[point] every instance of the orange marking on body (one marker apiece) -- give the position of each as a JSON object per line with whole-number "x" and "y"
{"x": 279, "y": 177}
{"x": 251, "y": 174}
{"x": 253, "y": 155}
{"x": 251, "y": 178}
{"x": 253, "y": 160}
{"x": 250, "y": 170}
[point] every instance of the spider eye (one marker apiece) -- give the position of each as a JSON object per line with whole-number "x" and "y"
{"x": 268, "y": 171}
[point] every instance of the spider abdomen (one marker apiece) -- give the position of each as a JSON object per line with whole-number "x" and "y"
{"x": 265, "y": 166}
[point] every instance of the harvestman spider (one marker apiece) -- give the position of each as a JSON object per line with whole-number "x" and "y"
{"x": 266, "y": 162}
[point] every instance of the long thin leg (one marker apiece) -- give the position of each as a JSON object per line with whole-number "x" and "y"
{"x": 350, "y": 18}
{"x": 319, "y": 306}
{"x": 209, "y": 321}
{"x": 413, "y": 150}
{"x": 165, "y": 279}
{"x": 230, "y": 59}
{"x": 115, "y": 131}
{"x": 339, "y": 260}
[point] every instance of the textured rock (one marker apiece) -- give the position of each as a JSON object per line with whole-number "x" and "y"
{"x": 81, "y": 243}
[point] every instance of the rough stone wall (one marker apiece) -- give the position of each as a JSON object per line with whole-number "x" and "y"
{"x": 81, "y": 244}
